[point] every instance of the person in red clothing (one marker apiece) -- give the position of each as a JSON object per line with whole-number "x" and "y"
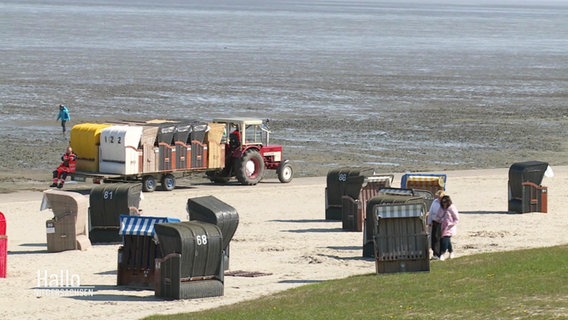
{"x": 235, "y": 139}
{"x": 67, "y": 166}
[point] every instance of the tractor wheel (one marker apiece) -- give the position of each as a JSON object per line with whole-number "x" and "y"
{"x": 168, "y": 182}
{"x": 217, "y": 177}
{"x": 285, "y": 172}
{"x": 148, "y": 184}
{"x": 250, "y": 168}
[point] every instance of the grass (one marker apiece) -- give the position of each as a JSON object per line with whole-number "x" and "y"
{"x": 525, "y": 284}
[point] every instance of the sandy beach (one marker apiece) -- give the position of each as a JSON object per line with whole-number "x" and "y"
{"x": 282, "y": 233}
{"x": 463, "y": 88}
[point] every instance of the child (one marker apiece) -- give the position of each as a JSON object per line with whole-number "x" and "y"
{"x": 448, "y": 217}
{"x": 63, "y": 116}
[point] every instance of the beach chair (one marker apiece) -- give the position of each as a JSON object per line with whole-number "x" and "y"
{"x": 107, "y": 202}
{"x": 526, "y": 194}
{"x": 212, "y": 210}
{"x": 401, "y": 238}
{"x": 85, "y": 141}
{"x": 353, "y": 209}
{"x": 199, "y": 148}
{"x": 67, "y": 230}
{"x": 344, "y": 182}
{"x": 192, "y": 263}
{"x": 137, "y": 254}
{"x": 370, "y": 222}
{"x": 424, "y": 181}
{"x": 120, "y": 158}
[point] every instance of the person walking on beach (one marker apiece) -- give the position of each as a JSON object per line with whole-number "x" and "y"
{"x": 434, "y": 225}
{"x": 67, "y": 166}
{"x": 63, "y": 116}
{"x": 448, "y": 217}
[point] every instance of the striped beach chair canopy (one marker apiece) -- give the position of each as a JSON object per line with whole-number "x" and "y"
{"x": 141, "y": 225}
{"x": 385, "y": 180}
{"x": 425, "y": 181}
{"x": 404, "y": 210}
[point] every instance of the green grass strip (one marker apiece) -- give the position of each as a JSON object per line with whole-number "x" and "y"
{"x": 525, "y": 284}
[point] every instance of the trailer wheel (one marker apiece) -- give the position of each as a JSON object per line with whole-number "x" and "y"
{"x": 148, "y": 184}
{"x": 285, "y": 172}
{"x": 168, "y": 182}
{"x": 250, "y": 168}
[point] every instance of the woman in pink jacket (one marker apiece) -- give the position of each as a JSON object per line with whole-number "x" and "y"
{"x": 448, "y": 217}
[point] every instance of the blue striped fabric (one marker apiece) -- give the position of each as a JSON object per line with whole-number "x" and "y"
{"x": 141, "y": 225}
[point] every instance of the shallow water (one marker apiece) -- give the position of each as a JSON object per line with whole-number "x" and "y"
{"x": 398, "y": 86}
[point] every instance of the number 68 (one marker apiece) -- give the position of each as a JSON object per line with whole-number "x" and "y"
{"x": 201, "y": 240}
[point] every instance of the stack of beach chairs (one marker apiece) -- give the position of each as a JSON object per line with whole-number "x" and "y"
{"x": 134, "y": 148}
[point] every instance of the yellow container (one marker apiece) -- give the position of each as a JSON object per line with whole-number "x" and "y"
{"x": 85, "y": 143}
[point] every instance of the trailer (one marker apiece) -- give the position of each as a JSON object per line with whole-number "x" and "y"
{"x": 165, "y": 150}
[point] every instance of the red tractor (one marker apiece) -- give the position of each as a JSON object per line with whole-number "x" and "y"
{"x": 248, "y": 153}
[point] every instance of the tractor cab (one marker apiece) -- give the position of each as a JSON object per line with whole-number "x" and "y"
{"x": 248, "y": 152}
{"x": 244, "y": 132}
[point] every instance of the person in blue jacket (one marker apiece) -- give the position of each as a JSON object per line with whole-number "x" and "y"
{"x": 63, "y": 116}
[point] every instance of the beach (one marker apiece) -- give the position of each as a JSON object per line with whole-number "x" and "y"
{"x": 405, "y": 86}
{"x": 463, "y": 88}
{"x": 282, "y": 236}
